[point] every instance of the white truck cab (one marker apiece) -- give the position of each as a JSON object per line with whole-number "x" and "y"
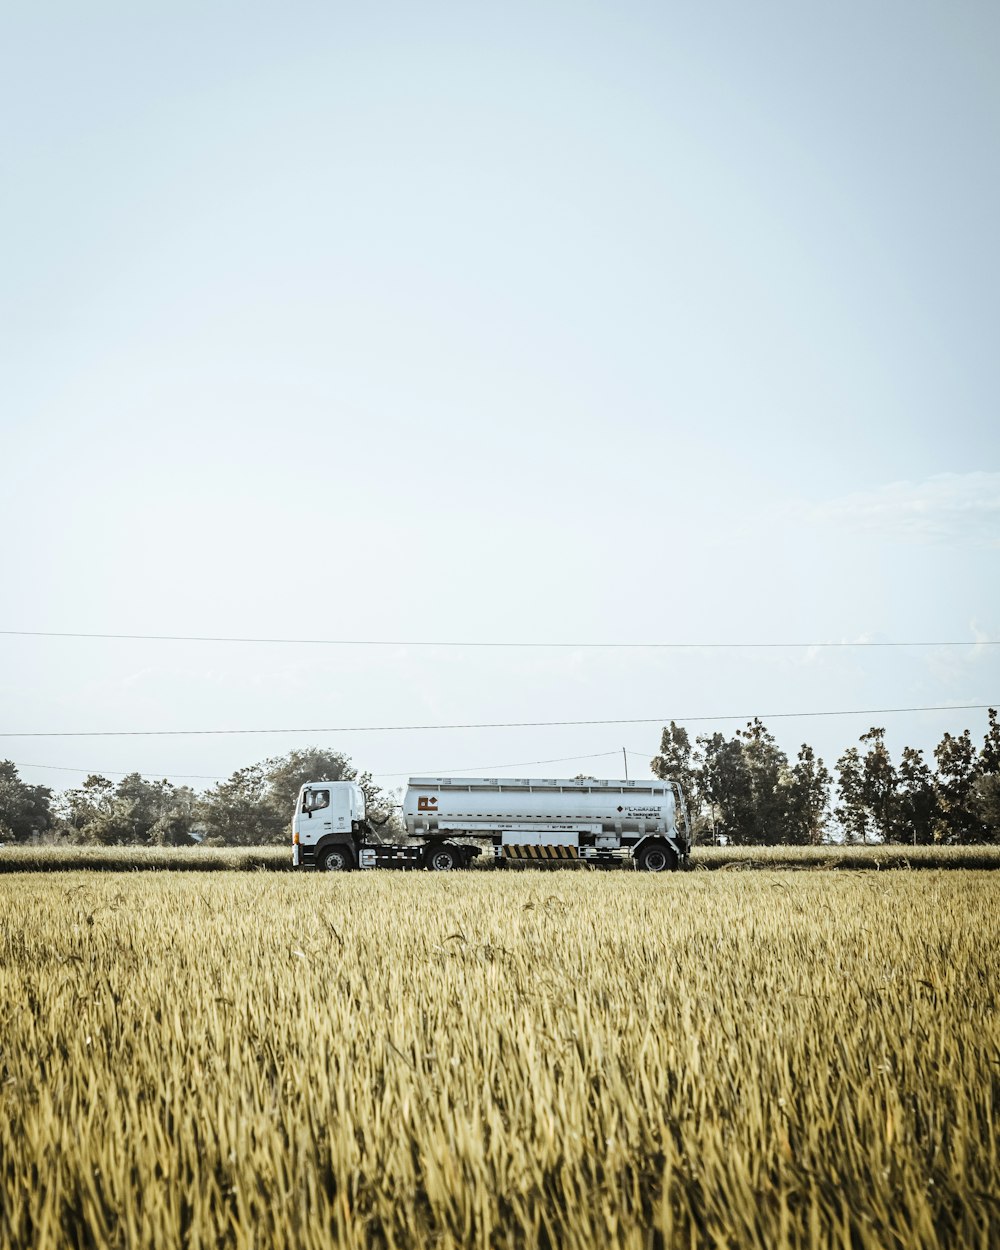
{"x": 328, "y": 814}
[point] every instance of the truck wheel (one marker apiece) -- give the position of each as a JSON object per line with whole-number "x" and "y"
{"x": 656, "y": 857}
{"x": 442, "y": 859}
{"x": 335, "y": 859}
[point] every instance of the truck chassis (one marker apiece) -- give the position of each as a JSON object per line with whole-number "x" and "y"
{"x": 654, "y": 855}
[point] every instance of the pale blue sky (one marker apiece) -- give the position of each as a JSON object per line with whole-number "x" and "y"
{"x": 548, "y": 321}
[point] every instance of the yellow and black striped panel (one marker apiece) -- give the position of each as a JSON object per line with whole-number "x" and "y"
{"x": 541, "y": 852}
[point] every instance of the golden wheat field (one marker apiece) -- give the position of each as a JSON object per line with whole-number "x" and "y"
{"x": 491, "y": 1060}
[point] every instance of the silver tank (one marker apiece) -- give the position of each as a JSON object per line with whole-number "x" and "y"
{"x": 484, "y": 805}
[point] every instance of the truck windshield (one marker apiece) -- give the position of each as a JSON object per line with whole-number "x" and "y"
{"x": 313, "y": 800}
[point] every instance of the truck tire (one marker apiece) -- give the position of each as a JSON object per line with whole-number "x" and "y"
{"x": 442, "y": 859}
{"x": 656, "y": 857}
{"x": 335, "y": 858}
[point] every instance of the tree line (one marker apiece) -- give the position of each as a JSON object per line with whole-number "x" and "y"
{"x": 742, "y": 790}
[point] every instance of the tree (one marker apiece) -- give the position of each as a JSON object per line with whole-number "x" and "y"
{"x": 177, "y": 812}
{"x": 852, "y": 813}
{"x": 807, "y": 798}
{"x": 676, "y": 761}
{"x": 957, "y": 772}
{"x": 255, "y": 805}
{"x": 986, "y": 788}
{"x": 867, "y": 785}
{"x": 135, "y": 812}
{"x": 237, "y": 812}
{"x": 918, "y": 814}
{"x": 766, "y": 818}
{"x": 746, "y": 786}
{"x": 83, "y": 808}
{"x": 286, "y": 774}
{"x": 989, "y": 754}
{"x": 986, "y": 805}
{"x": 724, "y": 786}
{"x": 25, "y": 810}
{"x": 879, "y": 784}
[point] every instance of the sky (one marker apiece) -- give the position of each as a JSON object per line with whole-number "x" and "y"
{"x": 534, "y": 323}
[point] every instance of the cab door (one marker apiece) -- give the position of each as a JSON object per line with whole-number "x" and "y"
{"x": 317, "y": 814}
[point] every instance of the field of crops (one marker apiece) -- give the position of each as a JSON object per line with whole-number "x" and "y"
{"x": 718, "y": 1059}
{"x": 60, "y": 858}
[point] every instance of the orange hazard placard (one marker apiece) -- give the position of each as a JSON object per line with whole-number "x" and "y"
{"x": 427, "y": 803}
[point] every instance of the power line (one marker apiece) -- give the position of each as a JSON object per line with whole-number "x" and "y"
{"x": 528, "y": 724}
{"x": 412, "y": 772}
{"x": 485, "y": 768}
{"x": 574, "y": 646}
{"x": 116, "y": 772}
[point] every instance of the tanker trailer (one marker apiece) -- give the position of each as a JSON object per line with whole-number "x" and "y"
{"x": 585, "y": 819}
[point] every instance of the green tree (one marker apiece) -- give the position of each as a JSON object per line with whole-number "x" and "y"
{"x": 745, "y": 784}
{"x": 957, "y": 772}
{"x": 87, "y": 806}
{"x": 986, "y": 805}
{"x": 765, "y": 820}
{"x": 134, "y": 812}
{"x": 986, "y": 788}
{"x": 917, "y": 803}
{"x": 25, "y": 810}
{"x": 677, "y": 761}
{"x": 867, "y": 785}
{"x": 989, "y": 754}
{"x": 255, "y": 804}
{"x": 724, "y": 786}
{"x": 176, "y": 813}
{"x": 286, "y": 774}
{"x": 879, "y": 784}
{"x": 807, "y": 798}
{"x": 851, "y": 812}
{"x": 237, "y": 812}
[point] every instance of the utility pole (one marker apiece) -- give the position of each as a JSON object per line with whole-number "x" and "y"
{"x": 625, "y": 758}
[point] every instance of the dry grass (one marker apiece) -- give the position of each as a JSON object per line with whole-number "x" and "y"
{"x": 493, "y": 1060}
{"x": 850, "y": 857}
{"x": 145, "y": 858}
{"x": 279, "y": 858}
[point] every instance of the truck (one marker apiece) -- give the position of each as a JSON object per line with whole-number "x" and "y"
{"x": 449, "y": 822}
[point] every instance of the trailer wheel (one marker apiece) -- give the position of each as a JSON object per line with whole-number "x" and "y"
{"x": 335, "y": 859}
{"x": 656, "y": 857}
{"x": 442, "y": 859}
